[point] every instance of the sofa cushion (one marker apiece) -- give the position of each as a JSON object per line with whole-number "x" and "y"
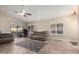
{"x": 6, "y": 38}
{"x": 5, "y": 35}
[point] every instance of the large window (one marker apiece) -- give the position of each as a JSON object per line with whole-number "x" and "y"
{"x": 57, "y": 28}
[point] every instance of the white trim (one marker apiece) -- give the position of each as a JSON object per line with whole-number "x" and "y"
{"x": 62, "y": 39}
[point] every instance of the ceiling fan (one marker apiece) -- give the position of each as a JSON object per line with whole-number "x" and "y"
{"x": 22, "y": 12}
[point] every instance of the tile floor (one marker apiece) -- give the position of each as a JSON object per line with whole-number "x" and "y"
{"x": 51, "y": 47}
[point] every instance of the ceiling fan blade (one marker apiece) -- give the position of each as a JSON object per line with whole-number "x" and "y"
{"x": 28, "y": 14}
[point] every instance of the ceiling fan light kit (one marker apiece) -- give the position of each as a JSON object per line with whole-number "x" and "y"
{"x": 22, "y": 14}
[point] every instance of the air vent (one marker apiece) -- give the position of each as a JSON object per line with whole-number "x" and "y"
{"x": 74, "y": 43}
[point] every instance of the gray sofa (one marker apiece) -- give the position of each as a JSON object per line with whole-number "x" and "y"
{"x": 6, "y": 38}
{"x": 41, "y": 36}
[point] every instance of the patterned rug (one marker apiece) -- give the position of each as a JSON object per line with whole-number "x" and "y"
{"x": 33, "y": 45}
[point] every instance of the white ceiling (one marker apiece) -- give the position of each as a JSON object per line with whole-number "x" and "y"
{"x": 38, "y": 12}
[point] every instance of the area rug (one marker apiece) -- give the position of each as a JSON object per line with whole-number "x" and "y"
{"x": 33, "y": 45}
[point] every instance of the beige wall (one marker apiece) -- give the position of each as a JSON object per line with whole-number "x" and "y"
{"x": 78, "y": 20}
{"x": 6, "y": 21}
{"x": 70, "y": 26}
